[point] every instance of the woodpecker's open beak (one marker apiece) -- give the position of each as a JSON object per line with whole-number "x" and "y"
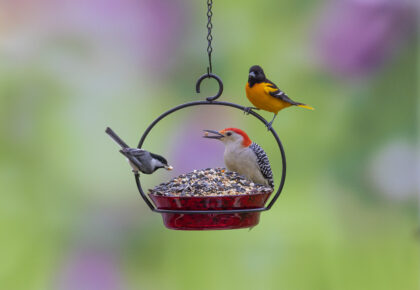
{"x": 168, "y": 167}
{"x": 252, "y": 74}
{"x": 216, "y": 135}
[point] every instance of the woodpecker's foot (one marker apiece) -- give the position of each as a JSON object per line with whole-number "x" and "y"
{"x": 247, "y": 110}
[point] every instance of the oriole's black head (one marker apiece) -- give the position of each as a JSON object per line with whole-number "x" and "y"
{"x": 256, "y": 75}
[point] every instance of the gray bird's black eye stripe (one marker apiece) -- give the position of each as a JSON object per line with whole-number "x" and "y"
{"x": 160, "y": 158}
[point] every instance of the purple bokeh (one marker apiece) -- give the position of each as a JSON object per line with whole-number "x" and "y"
{"x": 150, "y": 28}
{"x": 357, "y": 36}
{"x": 90, "y": 270}
{"x": 145, "y": 31}
{"x": 92, "y": 260}
{"x": 192, "y": 151}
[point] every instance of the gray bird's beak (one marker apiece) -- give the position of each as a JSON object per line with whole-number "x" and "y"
{"x": 168, "y": 167}
{"x": 216, "y": 135}
{"x": 252, "y": 74}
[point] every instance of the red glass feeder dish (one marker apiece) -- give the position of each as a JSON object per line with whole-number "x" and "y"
{"x": 210, "y": 221}
{"x": 211, "y": 212}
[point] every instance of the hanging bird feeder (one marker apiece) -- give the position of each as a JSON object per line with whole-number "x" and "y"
{"x": 212, "y": 212}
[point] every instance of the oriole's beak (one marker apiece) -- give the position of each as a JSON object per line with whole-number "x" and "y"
{"x": 216, "y": 135}
{"x": 168, "y": 167}
{"x": 252, "y": 74}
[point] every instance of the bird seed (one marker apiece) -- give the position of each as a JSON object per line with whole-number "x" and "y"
{"x": 209, "y": 182}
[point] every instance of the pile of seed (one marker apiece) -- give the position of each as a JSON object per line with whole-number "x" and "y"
{"x": 209, "y": 182}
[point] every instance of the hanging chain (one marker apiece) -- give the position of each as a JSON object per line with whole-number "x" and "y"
{"x": 209, "y": 73}
{"x": 209, "y": 36}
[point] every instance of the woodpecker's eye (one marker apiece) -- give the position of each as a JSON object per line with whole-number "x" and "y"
{"x": 229, "y": 134}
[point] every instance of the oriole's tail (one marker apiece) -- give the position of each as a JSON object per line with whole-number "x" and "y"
{"x": 305, "y": 106}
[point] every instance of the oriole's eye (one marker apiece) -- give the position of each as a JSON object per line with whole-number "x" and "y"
{"x": 229, "y": 134}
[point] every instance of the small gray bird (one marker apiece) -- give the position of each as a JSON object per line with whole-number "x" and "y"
{"x": 139, "y": 159}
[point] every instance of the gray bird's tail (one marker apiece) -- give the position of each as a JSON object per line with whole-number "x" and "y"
{"x": 116, "y": 138}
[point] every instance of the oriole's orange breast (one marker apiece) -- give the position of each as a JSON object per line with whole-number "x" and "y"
{"x": 261, "y": 99}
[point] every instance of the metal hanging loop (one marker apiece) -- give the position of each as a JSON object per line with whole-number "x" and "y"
{"x": 213, "y": 76}
{"x": 209, "y": 73}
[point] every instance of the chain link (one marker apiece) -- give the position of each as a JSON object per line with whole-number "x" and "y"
{"x": 209, "y": 35}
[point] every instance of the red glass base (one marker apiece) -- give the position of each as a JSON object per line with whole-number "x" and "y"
{"x": 214, "y": 221}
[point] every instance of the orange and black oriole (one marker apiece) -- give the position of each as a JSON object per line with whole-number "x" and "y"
{"x": 265, "y": 95}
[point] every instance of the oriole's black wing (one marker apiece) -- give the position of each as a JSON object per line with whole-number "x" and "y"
{"x": 279, "y": 94}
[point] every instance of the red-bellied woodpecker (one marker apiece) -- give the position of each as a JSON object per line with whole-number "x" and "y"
{"x": 139, "y": 159}
{"x": 244, "y": 156}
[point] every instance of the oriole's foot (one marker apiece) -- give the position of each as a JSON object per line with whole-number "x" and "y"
{"x": 247, "y": 110}
{"x": 270, "y": 125}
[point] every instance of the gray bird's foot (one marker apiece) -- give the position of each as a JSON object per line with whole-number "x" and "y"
{"x": 247, "y": 110}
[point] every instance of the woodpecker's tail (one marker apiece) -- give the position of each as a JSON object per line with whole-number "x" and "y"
{"x": 305, "y": 106}
{"x": 116, "y": 138}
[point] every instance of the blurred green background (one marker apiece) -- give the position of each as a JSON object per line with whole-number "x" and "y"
{"x": 70, "y": 214}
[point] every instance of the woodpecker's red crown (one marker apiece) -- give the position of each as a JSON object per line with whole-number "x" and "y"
{"x": 246, "y": 140}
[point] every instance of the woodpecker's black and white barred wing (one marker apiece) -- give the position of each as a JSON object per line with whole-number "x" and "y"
{"x": 263, "y": 163}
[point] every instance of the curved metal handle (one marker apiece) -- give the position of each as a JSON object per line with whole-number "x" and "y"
{"x": 242, "y": 108}
{"x": 219, "y": 81}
